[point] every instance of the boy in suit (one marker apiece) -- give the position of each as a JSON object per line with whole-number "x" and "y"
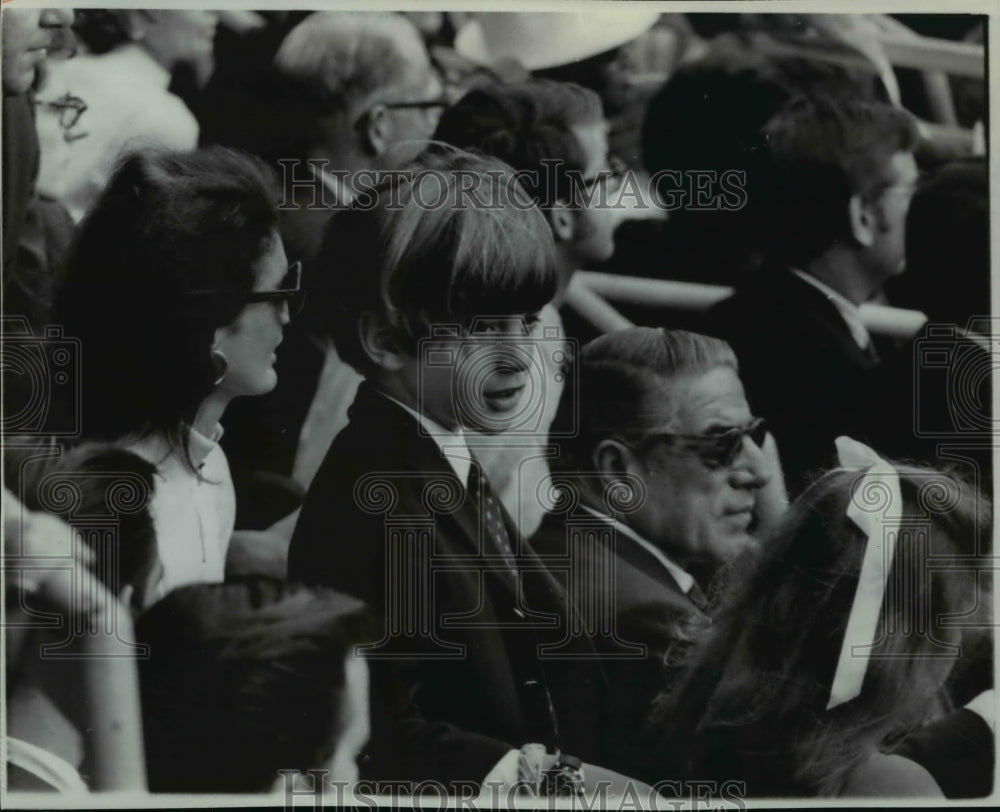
{"x": 433, "y": 296}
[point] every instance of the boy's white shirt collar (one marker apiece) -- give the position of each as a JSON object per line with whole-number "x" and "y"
{"x": 683, "y": 578}
{"x": 452, "y": 443}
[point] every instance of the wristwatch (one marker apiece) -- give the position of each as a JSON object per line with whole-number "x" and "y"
{"x": 565, "y": 779}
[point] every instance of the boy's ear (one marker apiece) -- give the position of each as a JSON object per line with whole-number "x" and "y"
{"x": 380, "y": 342}
{"x": 562, "y": 221}
{"x": 864, "y": 220}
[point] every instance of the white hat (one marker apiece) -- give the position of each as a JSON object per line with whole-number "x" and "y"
{"x": 545, "y": 39}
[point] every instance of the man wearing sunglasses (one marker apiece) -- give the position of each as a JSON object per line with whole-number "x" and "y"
{"x": 668, "y": 476}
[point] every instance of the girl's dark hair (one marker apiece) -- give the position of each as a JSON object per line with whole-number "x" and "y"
{"x": 244, "y": 679}
{"x": 753, "y": 705}
{"x": 166, "y": 256}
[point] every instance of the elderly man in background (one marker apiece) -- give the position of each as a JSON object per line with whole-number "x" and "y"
{"x": 363, "y": 96}
{"x": 668, "y": 477}
{"x": 353, "y": 94}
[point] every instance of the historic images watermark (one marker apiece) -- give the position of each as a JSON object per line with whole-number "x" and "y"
{"x": 618, "y": 188}
{"x": 312, "y": 790}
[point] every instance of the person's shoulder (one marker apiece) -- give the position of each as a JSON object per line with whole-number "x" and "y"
{"x": 891, "y": 776}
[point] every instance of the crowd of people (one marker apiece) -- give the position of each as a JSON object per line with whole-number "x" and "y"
{"x": 303, "y": 424}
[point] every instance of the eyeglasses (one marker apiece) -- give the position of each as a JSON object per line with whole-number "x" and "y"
{"x": 289, "y": 292}
{"x": 616, "y": 171}
{"x": 70, "y": 108}
{"x": 715, "y": 449}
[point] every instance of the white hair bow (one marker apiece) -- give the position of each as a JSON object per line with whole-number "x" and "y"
{"x": 876, "y": 508}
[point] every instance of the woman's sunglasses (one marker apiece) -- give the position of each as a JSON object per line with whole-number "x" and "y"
{"x": 289, "y": 292}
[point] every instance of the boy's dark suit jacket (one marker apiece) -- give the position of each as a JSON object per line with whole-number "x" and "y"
{"x": 481, "y": 687}
{"x": 656, "y": 624}
{"x": 802, "y": 369}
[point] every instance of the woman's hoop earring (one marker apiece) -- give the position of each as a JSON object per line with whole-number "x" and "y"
{"x": 221, "y": 367}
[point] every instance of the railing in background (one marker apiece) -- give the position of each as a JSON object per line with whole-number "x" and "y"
{"x": 935, "y": 58}
{"x": 590, "y": 292}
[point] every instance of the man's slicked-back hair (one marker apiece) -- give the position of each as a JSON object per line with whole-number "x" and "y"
{"x": 524, "y": 124}
{"x": 625, "y": 383}
{"x": 419, "y": 252}
{"x": 244, "y": 679}
{"x": 823, "y": 150}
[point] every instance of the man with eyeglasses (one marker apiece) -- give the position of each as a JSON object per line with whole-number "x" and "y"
{"x": 363, "y": 97}
{"x": 556, "y": 136}
{"x": 668, "y": 476}
{"x": 841, "y": 178}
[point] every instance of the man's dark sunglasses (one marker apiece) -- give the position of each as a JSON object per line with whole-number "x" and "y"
{"x": 290, "y": 291}
{"x": 715, "y": 449}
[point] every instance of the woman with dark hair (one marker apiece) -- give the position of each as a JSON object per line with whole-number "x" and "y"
{"x": 833, "y": 648}
{"x": 248, "y": 678}
{"x": 178, "y": 289}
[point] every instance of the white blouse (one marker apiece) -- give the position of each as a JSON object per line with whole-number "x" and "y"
{"x": 193, "y": 514}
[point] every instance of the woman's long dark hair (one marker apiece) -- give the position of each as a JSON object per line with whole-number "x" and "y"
{"x": 753, "y": 706}
{"x": 165, "y": 257}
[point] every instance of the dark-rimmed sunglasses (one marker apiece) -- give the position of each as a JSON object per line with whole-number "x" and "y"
{"x": 289, "y": 292}
{"x": 715, "y": 449}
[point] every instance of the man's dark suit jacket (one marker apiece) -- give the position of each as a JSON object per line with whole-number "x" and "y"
{"x": 802, "y": 369}
{"x": 655, "y": 623}
{"x": 468, "y": 658}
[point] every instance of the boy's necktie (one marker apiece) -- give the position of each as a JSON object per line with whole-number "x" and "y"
{"x": 481, "y": 492}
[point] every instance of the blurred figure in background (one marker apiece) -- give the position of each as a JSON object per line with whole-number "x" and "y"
{"x": 36, "y": 233}
{"x": 114, "y": 98}
{"x": 934, "y": 400}
{"x": 841, "y": 175}
{"x": 68, "y": 712}
{"x": 248, "y": 678}
{"x": 357, "y": 92}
